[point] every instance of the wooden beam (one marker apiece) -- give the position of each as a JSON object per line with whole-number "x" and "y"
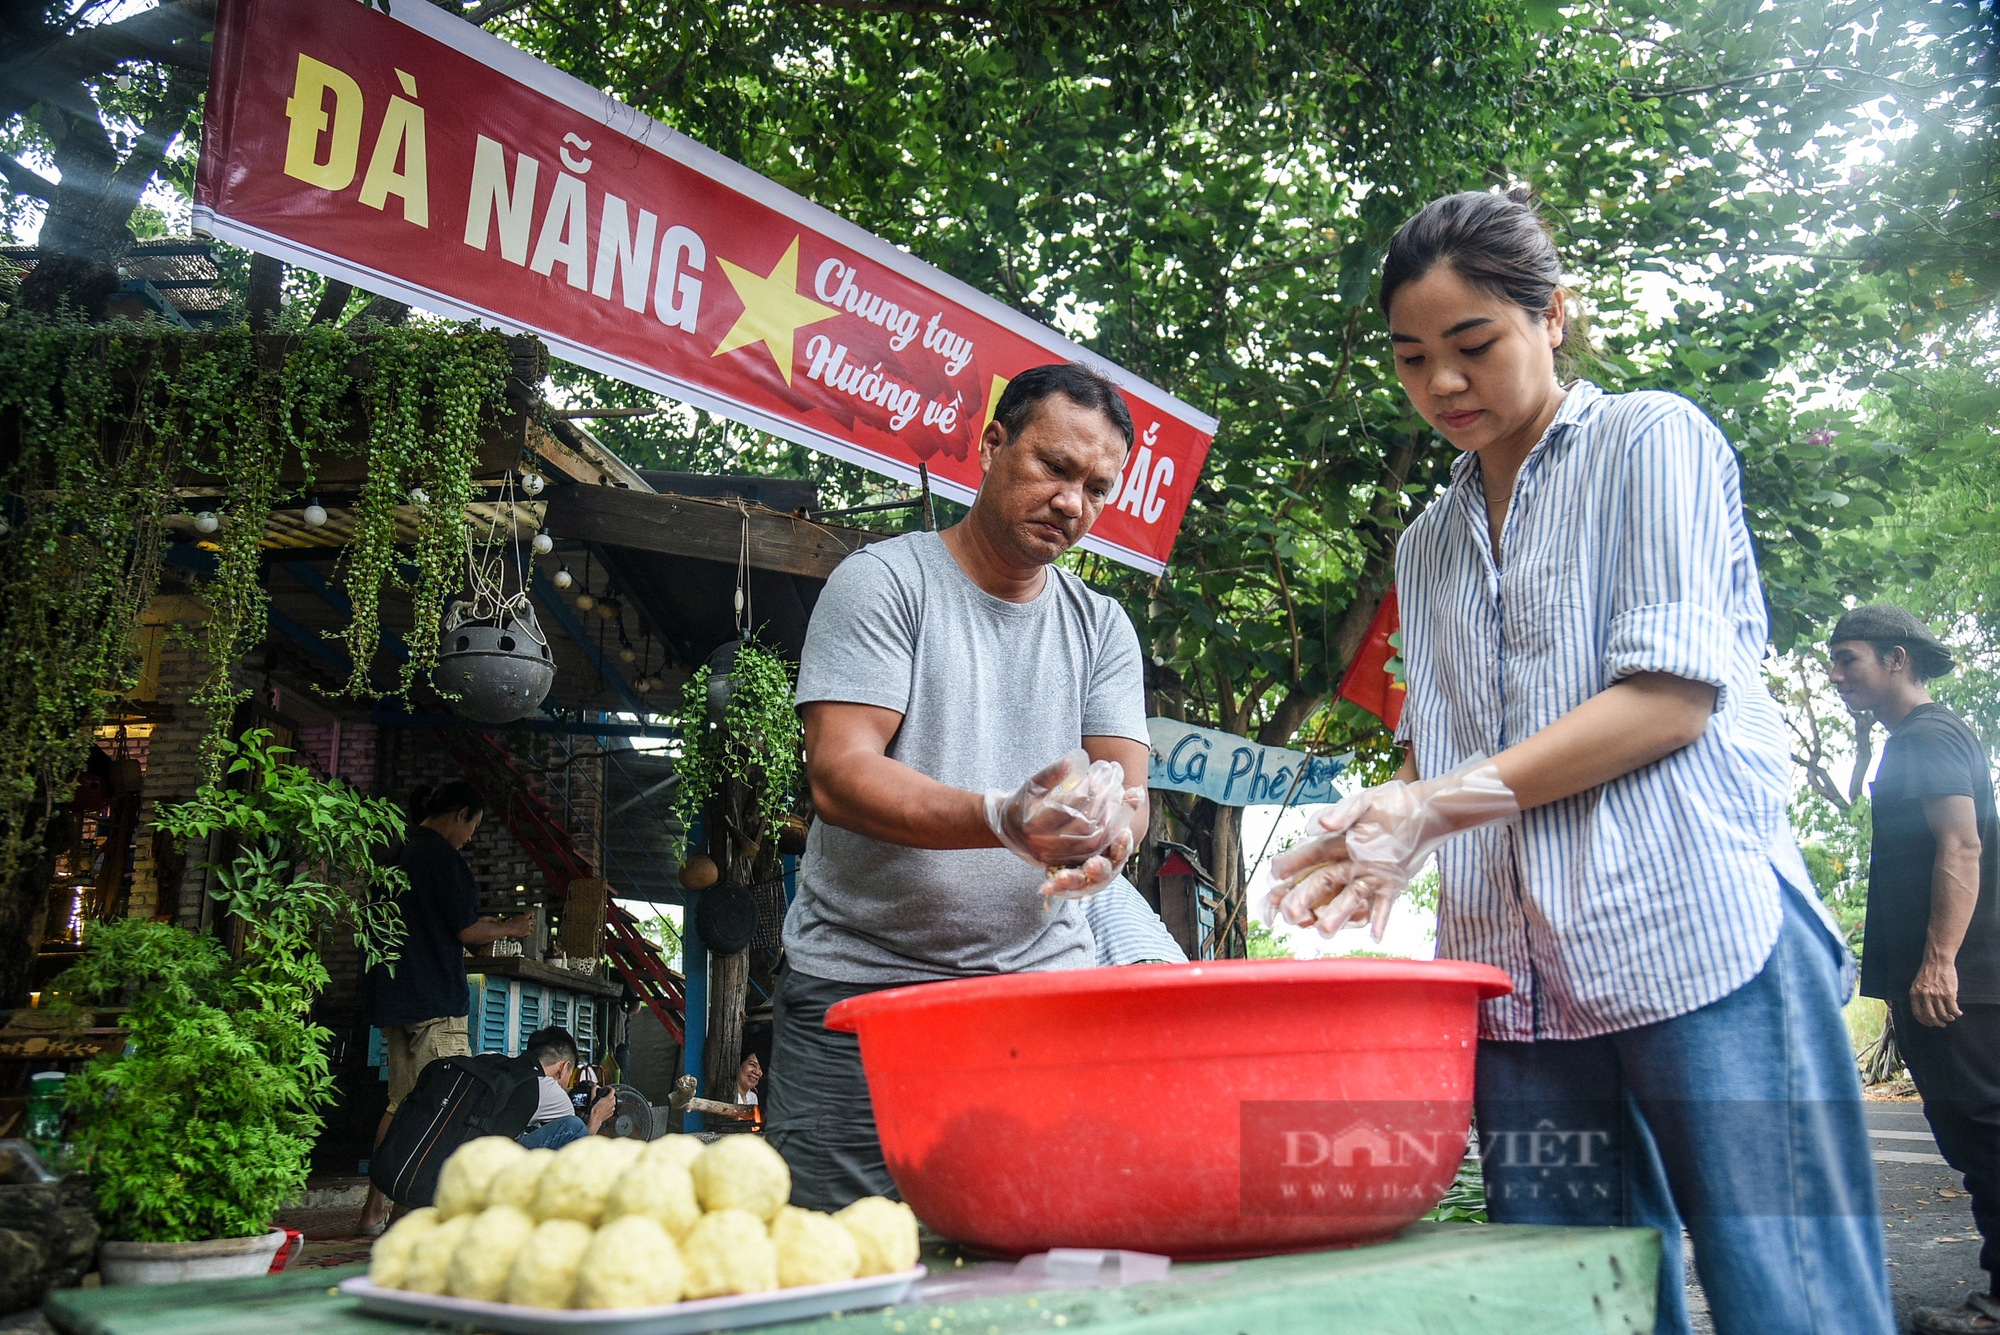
{"x": 678, "y": 526}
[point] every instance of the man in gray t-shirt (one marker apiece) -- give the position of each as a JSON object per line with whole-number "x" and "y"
{"x": 940, "y": 668}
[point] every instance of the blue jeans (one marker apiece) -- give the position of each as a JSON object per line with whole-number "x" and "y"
{"x": 1741, "y": 1120}
{"x": 554, "y": 1135}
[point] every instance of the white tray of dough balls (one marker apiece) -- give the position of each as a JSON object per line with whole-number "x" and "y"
{"x": 621, "y": 1237}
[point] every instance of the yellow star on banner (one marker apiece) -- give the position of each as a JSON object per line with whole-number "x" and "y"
{"x": 772, "y": 309}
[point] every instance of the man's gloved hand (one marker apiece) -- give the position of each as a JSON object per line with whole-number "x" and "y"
{"x": 1064, "y": 815}
{"x": 1375, "y": 842}
{"x": 1097, "y": 872}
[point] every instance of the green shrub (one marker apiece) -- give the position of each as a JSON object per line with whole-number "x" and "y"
{"x": 204, "y": 1126}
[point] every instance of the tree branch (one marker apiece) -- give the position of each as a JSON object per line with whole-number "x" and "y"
{"x": 25, "y": 180}
{"x": 36, "y": 71}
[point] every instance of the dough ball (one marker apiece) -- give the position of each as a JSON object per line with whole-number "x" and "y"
{"x": 581, "y": 1177}
{"x": 462, "y": 1184}
{"x": 813, "y": 1248}
{"x": 390, "y": 1259}
{"x": 430, "y": 1259}
{"x": 631, "y": 1263}
{"x": 683, "y": 1150}
{"x": 515, "y": 1183}
{"x": 729, "y": 1251}
{"x": 544, "y": 1273}
{"x": 659, "y": 1189}
{"x": 885, "y": 1231}
{"x": 742, "y": 1173}
{"x": 485, "y": 1255}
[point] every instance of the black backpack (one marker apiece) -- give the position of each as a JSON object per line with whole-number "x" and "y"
{"x": 456, "y": 1099}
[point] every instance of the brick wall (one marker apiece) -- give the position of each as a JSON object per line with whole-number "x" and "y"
{"x": 173, "y": 773}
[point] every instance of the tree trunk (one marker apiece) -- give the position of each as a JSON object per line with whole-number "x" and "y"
{"x": 87, "y": 229}
{"x": 267, "y": 292}
{"x": 1226, "y": 865}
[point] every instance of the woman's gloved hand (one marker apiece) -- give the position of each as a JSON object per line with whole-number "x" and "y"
{"x": 1374, "y": 843}
{"x": 1065, "y": 815}
{"x": 1101, "y": 870}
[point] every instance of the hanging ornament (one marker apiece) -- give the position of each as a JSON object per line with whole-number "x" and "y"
{"x": 494, "y": 662}
{"x": 532, "y": 483}
{"x": 562, "y": 579}
{"x": 543, "y": 544}
{"x": 206, "y": 522}
{"x": 584, "y": 602}
{"x": 418, "y": 496}
{"x": 315, "y": 515}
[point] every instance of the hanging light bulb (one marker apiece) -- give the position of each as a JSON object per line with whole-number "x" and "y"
{"x": 642, "y": 685}
{"x": 562, "y": 579}
{"x": 315, "y": 515}
{"x": 584, "y": 602}
{"x": 532, "y": 483}
{"x": 206, "y": 522}
{"x": 543, "y": 544}
{"x": 418, "y": 496}
{"x": 609, "y": 611}
{"x": 627, "y": 656}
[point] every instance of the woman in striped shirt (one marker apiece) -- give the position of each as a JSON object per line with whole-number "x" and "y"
{"x": 1583, "y": 631}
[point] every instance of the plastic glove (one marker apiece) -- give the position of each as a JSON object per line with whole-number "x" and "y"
{"x": 1063, "y": 816}
{"x": 1376, "y": 842}
{"x": 1097, "y": 872}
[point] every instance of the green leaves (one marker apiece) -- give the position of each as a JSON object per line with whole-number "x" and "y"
{"x": 204, "y": 1126}
{"x": 759, "y": 743}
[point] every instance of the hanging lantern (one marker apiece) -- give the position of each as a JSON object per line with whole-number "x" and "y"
{"x": 543, "y": 544}
{"x": 315, "y": 515}
{"x": 584, "y": 602}
{"x": 532, "y": 483}
{"x": 500, "y": 667}
{"x": 562, "y": 579}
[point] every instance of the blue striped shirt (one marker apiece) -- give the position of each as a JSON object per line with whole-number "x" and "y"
{"x": 1624, "y": 551}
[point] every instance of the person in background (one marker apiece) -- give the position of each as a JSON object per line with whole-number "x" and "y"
{"x": 747, "y": 1077}
{"x": 942, "y": 673}
{"x": 421, "y": 1004}
{"x": 555, "y": 1123}
{"x": 1931, "y": 941}
{"x": 1583, "y": 638}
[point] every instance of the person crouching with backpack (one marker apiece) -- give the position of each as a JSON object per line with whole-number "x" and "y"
{"x": 555, "y": 1123}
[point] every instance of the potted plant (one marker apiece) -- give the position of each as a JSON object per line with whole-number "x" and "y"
{"x": 202, "y": 1128}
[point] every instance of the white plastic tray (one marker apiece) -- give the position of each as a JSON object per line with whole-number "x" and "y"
{"x": 688, "y": 1318}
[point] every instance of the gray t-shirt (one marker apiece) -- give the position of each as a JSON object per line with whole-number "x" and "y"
{"x": 990, "y": 691}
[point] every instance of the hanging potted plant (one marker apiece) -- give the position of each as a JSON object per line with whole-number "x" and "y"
{"x": 199, "y": 1132}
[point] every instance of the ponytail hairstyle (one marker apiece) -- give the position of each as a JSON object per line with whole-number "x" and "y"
{"x": 1499, "y": 244}
{"x": 446, "y": 799}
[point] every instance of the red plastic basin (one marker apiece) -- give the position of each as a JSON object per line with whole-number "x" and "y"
{"x": 1227, "y": 1108}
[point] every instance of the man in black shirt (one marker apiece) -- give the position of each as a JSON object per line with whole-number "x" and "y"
{"x": 1931, "y": 944}
{"x": 421, "y": 1007}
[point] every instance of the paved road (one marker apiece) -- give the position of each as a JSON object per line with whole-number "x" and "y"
{"x": 1933, "y": 1247}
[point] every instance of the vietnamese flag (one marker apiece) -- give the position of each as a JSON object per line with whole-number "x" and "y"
{"x": 1368, "y": 681}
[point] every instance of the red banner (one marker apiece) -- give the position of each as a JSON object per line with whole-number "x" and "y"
{"x": 1368, "y": 681}
{"x": 533, "y": 202}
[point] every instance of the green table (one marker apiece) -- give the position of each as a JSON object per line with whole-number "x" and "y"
{"x": 1438, "y": 1279}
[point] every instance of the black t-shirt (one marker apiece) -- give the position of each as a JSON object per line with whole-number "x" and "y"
{"x": 442, "y": 901}
{"x": 1933, "y": 754}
